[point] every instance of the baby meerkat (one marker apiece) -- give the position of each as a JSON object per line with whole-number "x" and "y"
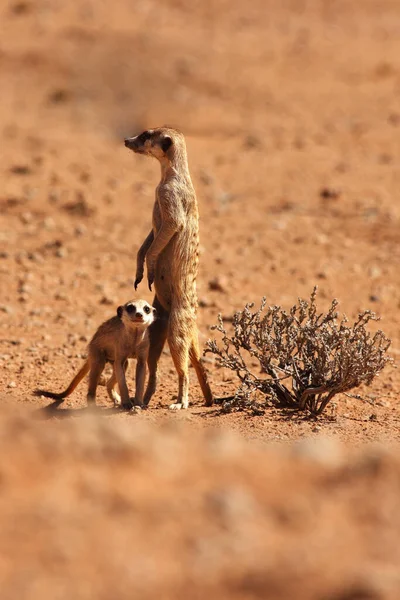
{"x": 116, "y": 340}
{"x": 171, "y": 251}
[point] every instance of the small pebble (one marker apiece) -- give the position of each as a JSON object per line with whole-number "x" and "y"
{"x": 49, "y": 223}
{"x": 61, "y": 252}
{"x": 26, "y": 218}
{"x": 6, "y": 309}
{"x": 218, "y": 284}
{"x": 12, "y": 384}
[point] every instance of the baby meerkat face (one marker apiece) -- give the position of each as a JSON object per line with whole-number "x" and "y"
{"x": 137, "y": 313}
{"x": 155, "y": 142}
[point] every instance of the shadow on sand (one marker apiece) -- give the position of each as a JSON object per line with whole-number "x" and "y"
{"x": 52, "y": 411}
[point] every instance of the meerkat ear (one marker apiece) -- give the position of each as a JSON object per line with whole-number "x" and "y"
{"x": 154, "y": 312}
{"x": 166, "y": 143}
{"x": 120, "y": 311}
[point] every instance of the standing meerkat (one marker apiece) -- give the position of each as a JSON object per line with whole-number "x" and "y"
{"x": 116, "y": 340}
{"x": 171, "y": 251}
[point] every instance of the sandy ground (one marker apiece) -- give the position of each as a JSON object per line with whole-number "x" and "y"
{"x": 280, "y": 103}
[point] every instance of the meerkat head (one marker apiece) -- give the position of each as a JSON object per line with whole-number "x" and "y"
{"x": 161, "y": 143}
{"x": 137, "y": 313}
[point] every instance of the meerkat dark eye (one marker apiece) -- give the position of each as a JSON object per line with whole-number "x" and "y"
{"x": 166, "y": 144}
{"x": 147, "y": 309}
{"x": 143, "y": 137}
{"x": 130, "y": 308}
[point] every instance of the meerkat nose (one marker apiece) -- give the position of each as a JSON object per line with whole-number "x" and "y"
{"x": 127, "y": 141}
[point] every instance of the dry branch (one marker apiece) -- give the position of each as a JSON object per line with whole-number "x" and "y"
{"x": 305, "y": 357}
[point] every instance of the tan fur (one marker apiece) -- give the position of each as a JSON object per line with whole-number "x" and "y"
{"x": 118, "y": 339}
{"x": 171, "y": 251}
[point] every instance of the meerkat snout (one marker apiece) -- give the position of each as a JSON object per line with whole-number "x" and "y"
{"x": 153, "y": 142}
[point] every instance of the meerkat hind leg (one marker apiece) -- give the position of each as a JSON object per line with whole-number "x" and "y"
{"x": 158, "y": 335}
{"x": 96, "y": 369}
{"x": 180, "y": 355}
{"x": 140, "y": 380}
{"x": 195, "y": 359}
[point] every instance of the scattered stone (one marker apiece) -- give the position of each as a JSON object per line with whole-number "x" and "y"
{"x": 59, "y": 96}
{"x": 205, "y": 177}
{"x": 35, "y": 257}
{"x": 6, "y": 309}
{"x": 394, "y": 119}
{"x": 24, "y": 288}
{"x": 107, "y": 301}
{"x": 49, "y": 223}
{"x": 384, "y": 403}
{"x": 4, "y": 254}
{"x": 80, "y": 207}
{"x": 385, "y": 158}
{"x": 375, "y": 272}
{"x": 218, "y": 284}
{"x": 26, "y": 218}
{"x": 374, "y": 298}
{"x": 252, "y": 142}
{"x": 327, "y": 193}
{"x": 12, "y": 384}
{"x": 322, "y": 239}
{"x": 20, "y": 170}
{"x": 84, "y": 177}
{"x": 205, "y": 302}
{"x": 61, "y": 252}
{"x": 53, "y": 197}
{"x": 20, "y": 8}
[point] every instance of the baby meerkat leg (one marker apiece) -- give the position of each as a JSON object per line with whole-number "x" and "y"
{"x": 157, "y": 335}
{"x": 97, "y": 365}
{"x": 194, "y": 355}
{"x": 112, "y": 392}
{"x": 179, "y": 341}
{"x": 119, "y": 367}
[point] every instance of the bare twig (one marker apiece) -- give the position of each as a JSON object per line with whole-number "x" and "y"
{"x": 318, "y": 355}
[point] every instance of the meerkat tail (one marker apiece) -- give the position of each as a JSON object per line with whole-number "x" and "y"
{"x": 74, "y": 383}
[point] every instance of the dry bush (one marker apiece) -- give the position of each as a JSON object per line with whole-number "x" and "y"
{"x": 306, "y": 357}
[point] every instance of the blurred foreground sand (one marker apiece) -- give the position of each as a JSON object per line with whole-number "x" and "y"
{"x": 92, "y": 508}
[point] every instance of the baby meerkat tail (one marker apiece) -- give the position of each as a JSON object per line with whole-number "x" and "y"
{"x": 76, "y": 381}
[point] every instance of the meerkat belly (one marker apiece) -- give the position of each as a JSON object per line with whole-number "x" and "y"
{"x": 164, "y": 276}
{"x": 176, "y": 271}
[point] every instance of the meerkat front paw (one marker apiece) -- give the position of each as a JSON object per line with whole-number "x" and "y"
{"x": 139, "y": 277}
